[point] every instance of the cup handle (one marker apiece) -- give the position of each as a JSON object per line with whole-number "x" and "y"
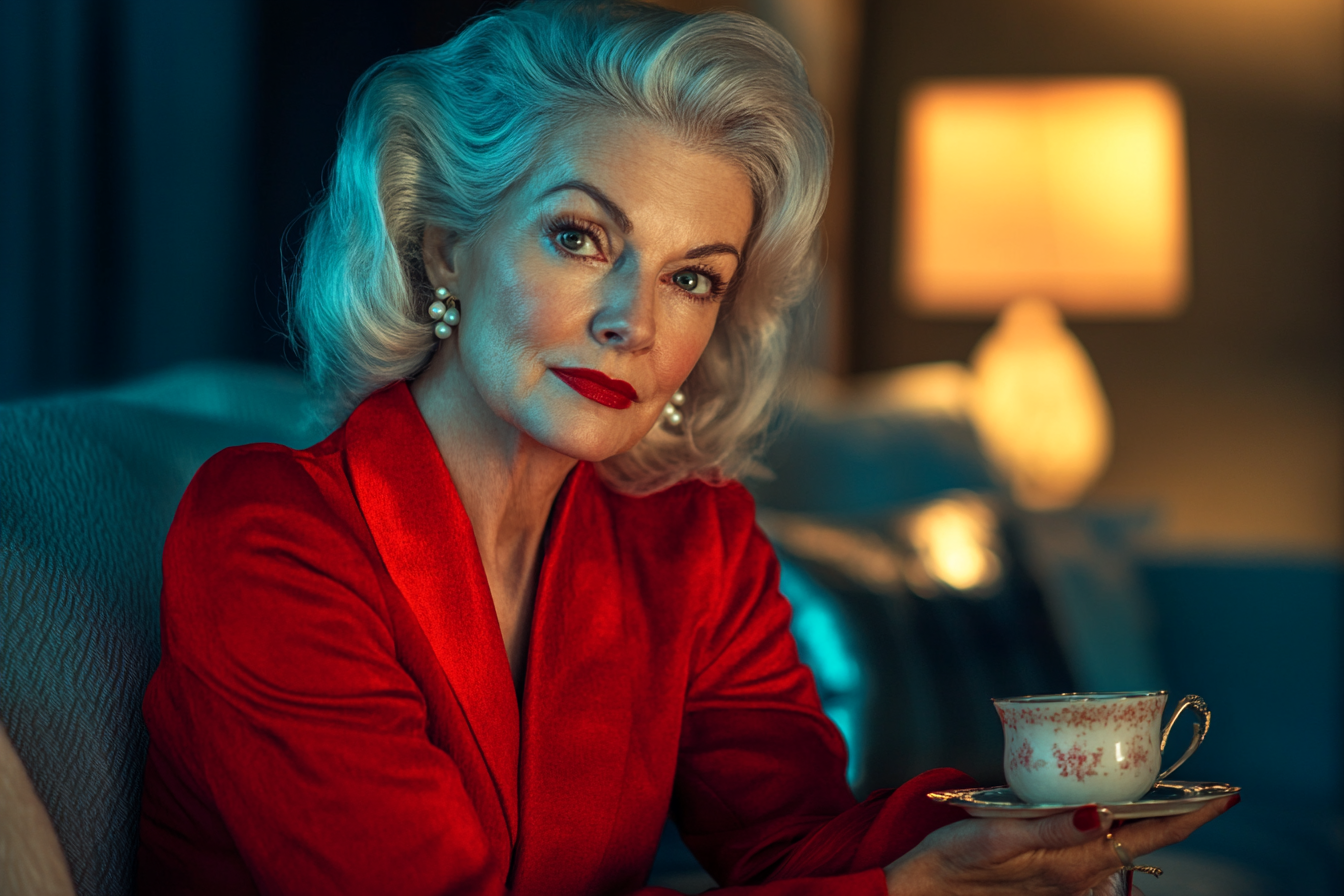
{"x": 1201, "y": 731}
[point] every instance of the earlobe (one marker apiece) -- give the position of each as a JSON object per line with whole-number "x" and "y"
{"x": 436, "y": 250}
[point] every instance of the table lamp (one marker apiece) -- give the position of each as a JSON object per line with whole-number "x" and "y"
{"x": 1039, "y": 199}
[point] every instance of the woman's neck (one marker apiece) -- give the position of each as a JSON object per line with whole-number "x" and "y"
{"x": 507, "y": 483}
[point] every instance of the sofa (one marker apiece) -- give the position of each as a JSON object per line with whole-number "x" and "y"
{"x": 88, "y": 486}
{"x": 89, "y": 482}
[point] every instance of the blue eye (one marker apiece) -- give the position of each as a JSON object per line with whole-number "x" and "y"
{"x": 693, "y": 282}
{"x": 576, "y": 242}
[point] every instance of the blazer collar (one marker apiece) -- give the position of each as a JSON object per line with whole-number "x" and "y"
{"x": 429, "y": 548}
{"x": 578, "y": 709}
{"x": 577, "y": 718}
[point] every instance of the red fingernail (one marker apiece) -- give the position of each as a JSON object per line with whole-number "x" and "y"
{"x": 1087, "y": 819}
{"x": 1236, "y": 798}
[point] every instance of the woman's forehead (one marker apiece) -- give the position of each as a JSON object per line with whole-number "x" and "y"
{"x": 619, "y": 164}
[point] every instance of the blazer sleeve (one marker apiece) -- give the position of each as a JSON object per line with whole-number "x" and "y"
{"x": 760, "y": 794}
{"x": 280, "y": 719}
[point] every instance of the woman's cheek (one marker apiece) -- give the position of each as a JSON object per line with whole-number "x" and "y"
{"x": 689, "y": 337}
{"x": 544, "y": 311}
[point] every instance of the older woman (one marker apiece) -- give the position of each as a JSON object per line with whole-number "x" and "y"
{"x": 513, "y": 611}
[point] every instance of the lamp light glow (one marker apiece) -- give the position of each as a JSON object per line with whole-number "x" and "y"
{"x": 1072, "y": 189}
{"x": 1038, "y": 406}
{"x": 955, "y": 543}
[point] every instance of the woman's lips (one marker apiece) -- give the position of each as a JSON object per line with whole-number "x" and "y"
{"x": 598, "y": 386}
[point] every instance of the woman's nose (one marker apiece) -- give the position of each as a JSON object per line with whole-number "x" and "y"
{"x": 625, "y": 319}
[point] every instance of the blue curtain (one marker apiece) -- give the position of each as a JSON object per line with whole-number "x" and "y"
{"x": 124, "y": 171}
{"x": 156, "y": 159}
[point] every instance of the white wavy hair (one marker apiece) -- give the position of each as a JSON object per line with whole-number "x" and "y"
{"x": 438, "y": 137}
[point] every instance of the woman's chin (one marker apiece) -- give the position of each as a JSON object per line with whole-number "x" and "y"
{"x": 590, "y": 440}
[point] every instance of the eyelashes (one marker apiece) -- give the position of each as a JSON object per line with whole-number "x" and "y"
{"x": 717, "y": 286}
{"x": 558, "y": 227}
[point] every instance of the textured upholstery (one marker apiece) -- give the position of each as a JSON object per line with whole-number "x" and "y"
{"x": 88, "y": 486}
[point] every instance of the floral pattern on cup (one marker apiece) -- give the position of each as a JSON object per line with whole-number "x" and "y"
{"x": 1081, "y": 748}
{"x": 1136, "y": 712}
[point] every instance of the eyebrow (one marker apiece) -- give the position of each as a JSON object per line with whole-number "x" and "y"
{"x": 714, "y": 249}
{"x": 614, "y": 211}
{"x": 617, "y": 214}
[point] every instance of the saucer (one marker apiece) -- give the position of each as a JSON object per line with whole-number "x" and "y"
{"x": 1167, "y": 798}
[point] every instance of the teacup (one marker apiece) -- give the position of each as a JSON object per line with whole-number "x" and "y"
{"x": 1106, "y": 747}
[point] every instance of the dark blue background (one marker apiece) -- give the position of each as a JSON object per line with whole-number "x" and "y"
{"x": 154, "y": 155}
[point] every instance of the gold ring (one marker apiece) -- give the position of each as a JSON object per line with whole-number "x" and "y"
{"x": 1128, "y": 861}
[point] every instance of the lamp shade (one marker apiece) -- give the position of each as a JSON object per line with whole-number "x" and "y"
{"x": 1070, "y": 189}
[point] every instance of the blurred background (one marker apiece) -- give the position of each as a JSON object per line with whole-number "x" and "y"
{"x": 156, "y": 160}
{"x": 156, "y": 155}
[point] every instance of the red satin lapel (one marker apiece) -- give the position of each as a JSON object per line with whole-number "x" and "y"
{"x": 427, "y": 543}
{"x": 577, "y": 702}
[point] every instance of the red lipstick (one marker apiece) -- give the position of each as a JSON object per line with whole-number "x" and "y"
{"x": 596, "y": 385}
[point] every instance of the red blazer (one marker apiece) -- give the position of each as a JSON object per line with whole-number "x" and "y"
{"x": 334, "y": 712}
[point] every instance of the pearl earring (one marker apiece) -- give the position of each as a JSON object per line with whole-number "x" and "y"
{"x": 672, "y": 415}
{"x": 444, "y": 310}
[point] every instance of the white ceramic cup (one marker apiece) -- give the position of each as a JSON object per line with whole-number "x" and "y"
{"x": 1073, "y": 749}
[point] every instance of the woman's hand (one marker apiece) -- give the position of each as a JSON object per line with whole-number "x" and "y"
{"x": 1060, "y": 855}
